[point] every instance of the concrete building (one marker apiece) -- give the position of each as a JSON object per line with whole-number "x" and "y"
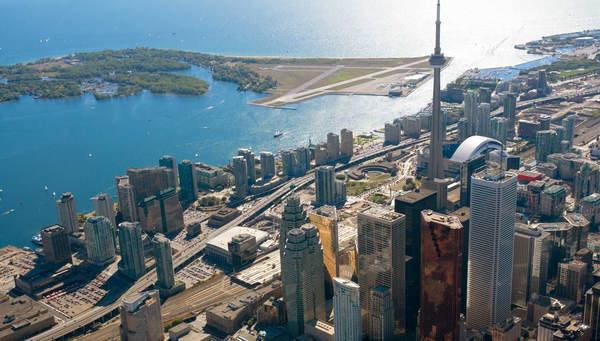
{"x": 347, "y": 143}
{"x": 591, "y": 311}
{"x": 471, "y": 102}
{"x": 126, "y": 196}
{"x": 240, "y": 173}
{"x": 499, "y": 127}
{"x": 248, "y": 155}
{"x": 571, "y": 280}
{"x": 507, "y": 330}
{"x": 441, "y": 276}
{"x": 587, "y": 180}
{"x": 141, "y": 318}
{"x": 553, "y": 201}
{"x": 169, "y": 162}
{"x": 319, "y": 331}
{"x": 545, "y": 144}
{"x": 212, "y": 177}
{"x": 590, "y": 208}
{"x": 462, "y": 127}
{"x": 303, "y": 278}
{"x": 392, "y": 133}
{"x": 267, "y": 165}
{"x": 99, "y": 240}
{"x": 320, "y": 154}
{"x": 483, "y": 119}
{"x": 491, "y": 230}
{"x": 381, "y": 314}
{"x": 555, "y": 327}
{"x": 410, "y": 205}
{"x": 218, "y": 248}
{"x": 293, "y": 217}
{"x": 22, "y": 318}
{"x": 510, "y": 110}
{"x": 333, "y": 147}
{"x": 132, "y": 262}
{"x": 271, "y": 312}
{"x": 67, "y": 212}
{"x": 411, "y": 126}
{"x": 325, "y": 185}
{"x": 104, "y": 207}
{"x": 531, "y": 259}
{"x": 147, "y": 182}
{"x": 188, "y": 183}
{"x": 243, "y": 250}
{"x": 161, "y": 212}
{"x": 55, "y": 242}
{"x": 346, "y": 310}
{"x": 381, "y": 250}
{"x": 163, "y": 256}
{"x": 569, "y": 123}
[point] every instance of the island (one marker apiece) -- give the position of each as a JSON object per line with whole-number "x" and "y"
{"x": 126, "y": 72}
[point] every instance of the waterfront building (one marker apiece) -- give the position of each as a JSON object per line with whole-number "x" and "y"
{"x": 141, "y": 318}
{"x": 587, "y": 180}
{"x": 410, "y": 205}
{"x": 267, "y": 165}
{"x": 169, "y": 162}
{"x": 545, "y": 144}
{"x": 491, "y": 230}
{"x": 55, "y": 243}
{"x": 392, "y": 133}
{"x": 483, "y": 119}
{"x": 147, "y": 182}
{"x": 591, "y": 311}
{"x": 325, "y": 185}
{"x": 161, "y": 212}
{"x": 23, "y": 317}
{"x": 571, "y": 280}
{"x": 346, "y": 310}
{"x": 441, "y": 276}
{"x": 126, "y": 196}
{"x": 293, "y": 217}
{"x": 411, "y": 126}
{"x": 380, "y": 314}
{"x": 67, "y": 212}
{"x": 250, "y": 164}
{"x": 240, "y": 172}
{"x": 302, "y": 277}
{"x": 347, "y": 143}
{"x": 99, "y": 240}
{"x": 553, "y": 201}
{"x": 132, "y": 262}
{"x": 104, "y": 207}
{"x": 164, "y": 262}
{"x": 471, "y": 103}
{"x": 302, "y": 157}
{"x": 321, "y": 155}
{"x": 531, "y": 259}
{"x": 381, "y": 250}
{"x": 211, "y": 177}
{"x": 188, "y": 183}
{"x": 435, "y": 168}
{"x": 333, "y": 147}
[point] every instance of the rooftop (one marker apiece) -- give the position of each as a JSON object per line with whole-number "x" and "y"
{"x": 381, "y": 213}
{"x": 449, "y": 221}
{"x": 415, "y": 196}
{"x": 221, "y": 240}
{"x": 555, "y": 189}
{"x": 20, "y": 312}
{"x": 592, "y": 199}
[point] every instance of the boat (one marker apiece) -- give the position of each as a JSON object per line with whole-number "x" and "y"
{"x": 46, "y": 188}
{"x": 278, "y": 133}
{"x": 37, "y": 239}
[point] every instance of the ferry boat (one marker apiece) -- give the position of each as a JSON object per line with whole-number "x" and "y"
{"x": 37, "y": 239}
{"x": 278, "y": 133}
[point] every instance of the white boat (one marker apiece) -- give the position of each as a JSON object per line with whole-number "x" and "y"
{"x": 46, "y": 188}
{"x": 278, "y": 133}
{"x": 37, "y": 239}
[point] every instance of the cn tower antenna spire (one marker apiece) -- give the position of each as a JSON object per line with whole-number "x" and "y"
{"x": 438, "y": 24}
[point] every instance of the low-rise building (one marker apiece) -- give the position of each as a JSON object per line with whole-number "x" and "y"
{"x": 217, "y": 249}
{"x": 22, "y": 318}
{"x": 222, "y": 217}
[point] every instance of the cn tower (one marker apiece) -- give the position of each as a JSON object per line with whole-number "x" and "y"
{"x": 437, "y": 60}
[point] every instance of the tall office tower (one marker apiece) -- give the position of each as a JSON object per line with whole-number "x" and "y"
{"x": 240, "y": 173}
{"x": 553, "y": 201}
{"x": 485, "y": 95}
{"x": 333, "y": 146}
{"x": 531, "y": 259}
{"x": 293, "y": 217}
{"x": 320, "y": 153}
{"x": 542, "y": 84}
{"x": 587, "y": 180}
{"x": 302, "y": 156}
{"x": 161, "y": 212}
{"x": 169, "y": 161}
{"x": 590, "y": 208}
{"x": 188, "y": 182}
{"x": 347, "y": 143}
{"x": 250, "y": 164}
{"x": 483, "y": 119}
{"x": 467, "y": 169}
{"x": 302, "y": 277}
{"x": 267, "y": 165}
{"x": 569, "y": 124}
{"x": 126, "y": 196}
{"x": 545, "y": 144}
{"x": 141, "y": 318}
{"x": 340, "y": 191}
{"x": 381, "y": 250}
{"x": 499, "y": 128}
{"x": 438, "y": 128}
{"x": 410, "y": 205}
{"x": 381, "y": 314}
{"x": 164, "y": 262}
{"x": 570, "y": 282}
{"x": 325, "y": 185}
{"x": 471, "y": 103}
{"x": 346, "y": 310}
{"x": 462, "y": 129}
{"x": 510, "y": 111}
{"x": 288, "y": 163}
{"x": 441, "y": 276}
{"x": 67, "y": 212}
{"x": 104, "y": 207}
{"x": 99, "y": 240}
{"x": 132, "y": 250}
{"x": 545, "y": 121}
{"x": 55, "y": 243}
{"x": 325, "y": 220}
{"x": 147, "y": 182}
{"x": 392, "y": 132}
{"x": 491, "y": 230}
{"x": 591, "y": 311}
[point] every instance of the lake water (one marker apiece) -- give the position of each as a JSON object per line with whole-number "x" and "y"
{"x": 80, "y": 144}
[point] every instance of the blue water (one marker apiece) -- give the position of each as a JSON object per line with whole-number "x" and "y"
{"x": 49, "y": 142}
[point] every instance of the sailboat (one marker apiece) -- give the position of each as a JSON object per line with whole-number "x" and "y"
{"x": 278, "y": 133}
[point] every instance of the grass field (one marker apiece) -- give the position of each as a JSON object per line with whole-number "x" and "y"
{"x": 344, "y": 74}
